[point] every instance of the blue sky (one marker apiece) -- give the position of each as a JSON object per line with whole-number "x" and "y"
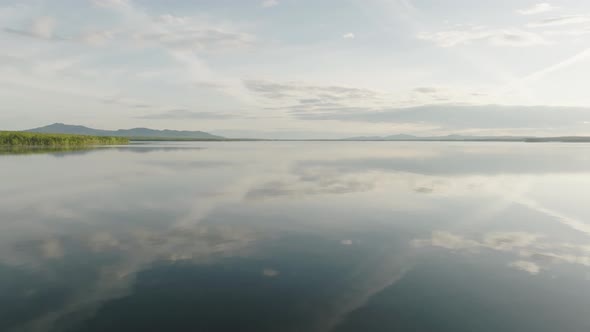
{"x": 298, "y": 68}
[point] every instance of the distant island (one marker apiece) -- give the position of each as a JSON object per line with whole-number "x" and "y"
{"x": 136, "y": 134}
{"x": 19, "y": 138}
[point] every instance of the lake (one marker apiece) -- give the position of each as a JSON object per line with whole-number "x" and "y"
{"x": 296, "y": 236}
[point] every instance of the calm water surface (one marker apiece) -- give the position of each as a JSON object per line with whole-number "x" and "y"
{"x": 297, "y": 236}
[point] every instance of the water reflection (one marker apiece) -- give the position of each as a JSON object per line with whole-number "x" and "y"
{"x": 56, "y": 151}
{"x": 67, "y": 151}
{"x": 287, "y": 236}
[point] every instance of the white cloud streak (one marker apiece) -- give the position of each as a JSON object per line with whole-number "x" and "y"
{"x": 539, "y": 8}
{"x": 349, "y": 35}
{"x": 112, "y": 3}
{"x": 269, "y": 3}
{"x": 526, "y": 266}
{"x": 583, "y": 55}
{"x": 535, "y": 253}
{"x": 560, "y": 21}
{"x": 493, "y": 37}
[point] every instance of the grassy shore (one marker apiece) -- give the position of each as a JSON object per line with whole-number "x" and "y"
{"x": 17, "y": 138}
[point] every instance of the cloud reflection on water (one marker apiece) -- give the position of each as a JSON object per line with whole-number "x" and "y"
{"x": 286, "y": 211}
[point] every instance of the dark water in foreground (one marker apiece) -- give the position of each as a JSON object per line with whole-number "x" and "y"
{"x": 297, "y": 236}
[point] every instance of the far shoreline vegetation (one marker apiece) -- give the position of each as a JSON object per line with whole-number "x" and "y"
{"x": 25, "y": 139}
{"x": 59, "y": 135}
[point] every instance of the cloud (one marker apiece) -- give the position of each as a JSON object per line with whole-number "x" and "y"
{"x": 424, "y": 190}
{"x": 539, "y": 8}
{"x": 209, "y": 85}
{"x": 306, "y": 92}
{"x": 124, "y": 101}
{"x": 447, "y": 240}
{"x": 509, "y": 240}
{"x": 457, "y": 116}
{"x": 493, "y": 37}
{"x": 97, "y": 38}
{"x": 112, "y": 3}
{"x": 167, "y": 31}
{"x": 427, "y": 90}
{"x": 573, "y": 223}
{"x": 185, "y": 33}
{"x": 560, "y": 20}
{"x": 526, "y": 266}
{"x": 180, "y": 114}
{"x": 516, "y": 38}
{"x": 270, "y": 273}
{"x": 561, "y": 253}
{"x": 41, "y": 28}
{"x": 477, "y": 162}
{"x": 574, "y": 59}
{"x": 52, "y": 248}
{"x": 269, "y": 3}
{"x": 304, "y": 101}
{"x": 349, "y": 35}
{"x": 127, "y": 254}
{"x": 501, "y": 241}
{"x": 311, "y": 181}
{"x": 581, "y": 31}
{"x": 539, "y": 254}
{"x": 309, "y": 186}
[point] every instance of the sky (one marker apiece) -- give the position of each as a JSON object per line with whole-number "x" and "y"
{"x": 298, "y": 68}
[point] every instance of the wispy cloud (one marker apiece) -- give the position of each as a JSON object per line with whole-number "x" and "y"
{"x": 426, "y": 89}
{"x": 573, "y": 32}
{"x": 185, "y": 33}
{"x": 269, "y": 3}
{"x": 209, "y": 85}
{"x": 501, "y": 241}
{"x": 348, "y": 35}
{"x": 305, "y": 101}
{"x": 184, "y": 114}
{"x": 539, "y": 8}
{"x": 493, "y": 37}
{"x": 556, "y": 67}
{"x": 526, "y": 266}
{"x": 276, "y": 90}
{"x": 44, "y": 28}
{"x": 457, "y": 116}
{"x": 535, "y": 252}
{"x": 41, "y": 27}
{"x": 140, "y": 28}
{"x": 112, "y": 3}
{"x": 97, "y": 38}
{"x": 311, "y": 183}
{"x": 560, "y": 20}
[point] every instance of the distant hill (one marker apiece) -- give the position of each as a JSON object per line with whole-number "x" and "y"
{"x": 146, "y": 134}
{"x": 137, "y": 133}
{"x": 404, "y": 137}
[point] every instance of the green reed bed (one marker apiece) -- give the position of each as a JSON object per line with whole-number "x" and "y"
{"x": 15, "y": 138}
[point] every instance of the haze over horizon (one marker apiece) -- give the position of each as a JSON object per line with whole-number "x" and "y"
{"x": 298, "y": 69}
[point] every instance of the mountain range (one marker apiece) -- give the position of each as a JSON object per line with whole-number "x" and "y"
{"x": 176, "y": 135}
{"x": 136, "y": 133}
{"x": 405, "y": 137}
